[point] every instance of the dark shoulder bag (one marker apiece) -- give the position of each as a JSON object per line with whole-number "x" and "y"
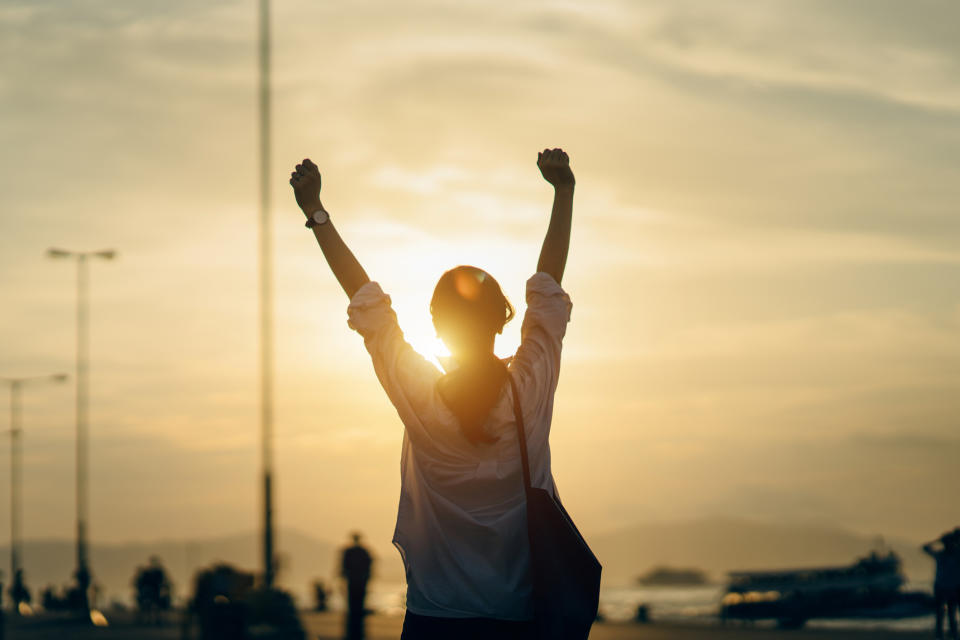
{"x": 566, "y": 574}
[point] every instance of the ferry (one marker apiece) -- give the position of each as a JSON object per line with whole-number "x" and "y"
{"x": 871, "y": 587}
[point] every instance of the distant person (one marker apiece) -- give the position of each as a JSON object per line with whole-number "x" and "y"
{"x": 3, "y": 622}
{"x": 153, "y": 591}
{"x": 319, "y": 596}
{"x": 355, "y": 568}
{"x": 220, "y": 603}
{"x": 19, "y": 593}
{"x": 946, "y": 583}
{"x": 461, "y": 524}
{"x": 952, "y": 548}
{"x": 79, "y": 595}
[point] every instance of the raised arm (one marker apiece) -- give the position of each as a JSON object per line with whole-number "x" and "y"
{"x": 554, "y": 164}
{"x": 306, "y": 187}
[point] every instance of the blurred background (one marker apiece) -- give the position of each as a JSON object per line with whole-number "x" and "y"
{"x": 764, "y": 266}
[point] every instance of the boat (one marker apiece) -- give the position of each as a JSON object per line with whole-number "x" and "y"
{"x": 673, "y": 577}
{"x": 871, "y": 587}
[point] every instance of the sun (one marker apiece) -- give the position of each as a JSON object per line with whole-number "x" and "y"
{"x": 407, "y": 263}
{"x": 417, "y": 327}
{"x": 413, "y": 315}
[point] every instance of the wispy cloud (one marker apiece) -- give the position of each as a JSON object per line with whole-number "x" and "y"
{"x": 764, "y": 244}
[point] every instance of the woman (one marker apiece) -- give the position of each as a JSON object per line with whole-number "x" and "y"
{"x": 461, "y": 522}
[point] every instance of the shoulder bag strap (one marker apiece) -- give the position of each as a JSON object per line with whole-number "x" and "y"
{"x": 521, "y": 433}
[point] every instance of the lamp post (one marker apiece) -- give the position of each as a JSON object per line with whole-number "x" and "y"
{"x": 266, "y": 297}
{"x": 83, "y": 574}
{"x": 16, "y": 466}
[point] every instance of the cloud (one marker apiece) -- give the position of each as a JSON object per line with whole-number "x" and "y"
{"x": 925, "y": 444}
{"x": 764, "y": 240}
{"x": 859, "y": 48}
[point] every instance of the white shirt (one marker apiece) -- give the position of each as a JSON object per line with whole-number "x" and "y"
{"x": 461, "y": 524}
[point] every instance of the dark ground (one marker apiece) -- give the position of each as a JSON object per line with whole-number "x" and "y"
{"x": 329, "y": 626}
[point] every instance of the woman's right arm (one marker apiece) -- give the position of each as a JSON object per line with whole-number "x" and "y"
{"x": 554, "y": 165}
{"x": 305, "y": 181}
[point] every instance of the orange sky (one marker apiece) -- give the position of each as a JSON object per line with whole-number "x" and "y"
{"x": 764, "y": 263}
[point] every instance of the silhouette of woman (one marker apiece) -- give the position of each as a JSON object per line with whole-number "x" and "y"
{"x": 461, "y": 521}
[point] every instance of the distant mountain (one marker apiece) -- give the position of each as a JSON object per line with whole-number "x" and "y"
{"x": 719, "y": 545}
{"x": 302, "y": 560}
{"x": 714, "y": 545}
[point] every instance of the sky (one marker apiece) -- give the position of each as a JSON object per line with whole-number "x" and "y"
{"x": 764, "y": 267}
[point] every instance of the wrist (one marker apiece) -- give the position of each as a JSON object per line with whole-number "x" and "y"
{"x": 317, "y": 217}
{"x": 561, "y": 188}
{"x": 311, "y": 207}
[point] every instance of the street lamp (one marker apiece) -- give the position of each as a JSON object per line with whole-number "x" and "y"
{"x": 266, "y": 297}
{"x": 16, "y": 453}
{"x": 83, "y": 569}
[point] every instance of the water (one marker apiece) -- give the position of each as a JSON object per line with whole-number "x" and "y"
{"x": 663, "y": 603}
{"x": 672, "y": 604}
{"x": 700, "y": 604}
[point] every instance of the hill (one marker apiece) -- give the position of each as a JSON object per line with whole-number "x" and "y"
{"x": 302, "y": 560}
{"x": 714, "y": 545}
{"x": 719, "y": 545}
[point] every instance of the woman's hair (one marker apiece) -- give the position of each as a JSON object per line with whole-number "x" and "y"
{"x": 469, "y": 309}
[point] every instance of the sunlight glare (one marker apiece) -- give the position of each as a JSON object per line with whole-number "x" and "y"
{"x": 410, "y": 285}
{"x": 417, "y": 326}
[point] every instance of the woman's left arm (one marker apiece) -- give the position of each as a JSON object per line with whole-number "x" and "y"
{"x": 555, "y": 167}
{"x": 305, "y": 181}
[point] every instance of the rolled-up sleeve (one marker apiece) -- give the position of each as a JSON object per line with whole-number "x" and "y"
{"x": 541, "y": 334}
{"x": 369, "y": 310}
{"x": 406, "y": 376}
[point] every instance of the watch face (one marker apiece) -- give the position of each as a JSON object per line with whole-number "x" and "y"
{"x": 320, "y": 216}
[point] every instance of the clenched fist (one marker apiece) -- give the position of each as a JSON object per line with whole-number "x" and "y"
{"x": 554, "y": 164}
{"x": 306, "y": 186}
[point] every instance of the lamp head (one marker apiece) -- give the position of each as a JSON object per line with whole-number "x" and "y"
{"x": 106, "y": 254}
{"x": 53, "y": 252}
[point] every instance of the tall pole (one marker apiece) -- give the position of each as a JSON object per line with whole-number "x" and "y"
{"x": 266, "y": 300}
{"x": 82, "y": 574}
{"x": 83, "y": 569}
{"x": 15, "y": 476}
{"x": 16, "y": 466}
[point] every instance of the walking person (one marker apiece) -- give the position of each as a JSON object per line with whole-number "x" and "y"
{"x": 946, "y": 583}
{"x": 952, "y": 583}
{"x": 461, "y": 523}
{"x": 3, "y": 622}
{"x": 355, "y": 568}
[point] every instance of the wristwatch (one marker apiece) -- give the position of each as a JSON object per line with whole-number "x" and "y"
{"x": 320, "y": 216}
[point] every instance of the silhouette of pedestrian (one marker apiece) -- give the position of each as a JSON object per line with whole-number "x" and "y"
{"x": 952, "y": 583}
{"x": 19, "y": 593}
{"x": 3, "y": 622}
{"x": 355, "y": 568}
{"x": 152, "y": 591}
{"x": 320, "y": 596}
{"x": 946, "y": 584}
